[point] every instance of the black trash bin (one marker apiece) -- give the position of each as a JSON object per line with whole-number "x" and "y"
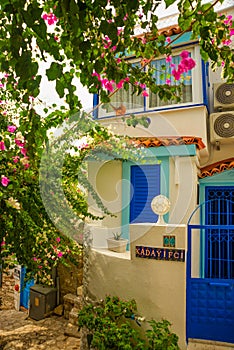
{"x": 43, "y": 300}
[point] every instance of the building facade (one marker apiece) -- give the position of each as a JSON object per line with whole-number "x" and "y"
{"x": 182, "y": 270}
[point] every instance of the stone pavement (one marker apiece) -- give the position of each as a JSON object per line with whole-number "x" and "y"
{"x": 18, "y": 331}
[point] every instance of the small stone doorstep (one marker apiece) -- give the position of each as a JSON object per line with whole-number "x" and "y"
{"x": 201, "y": 344}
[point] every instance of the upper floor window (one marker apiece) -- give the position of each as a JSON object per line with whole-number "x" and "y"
{"x": 124, "y": 102}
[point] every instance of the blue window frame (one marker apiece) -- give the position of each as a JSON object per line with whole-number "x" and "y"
{"x": 145, "y": 185}
{"x": 219, "y": 245}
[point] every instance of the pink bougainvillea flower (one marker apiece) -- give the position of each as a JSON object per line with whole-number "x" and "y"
{"x": 108, "y": 85}
{"x": 168, "y": 81}
{"x": 168, "y": 39}
{"x": 40, "y": 266}
{"x": 106, "y": 42}
{"x": 60, "y": 254}
{"x": 2, "y": 146}
{"x": 19, "y": 143}
{"x": 189, "y": 63}
{"x": 228, "y": 19}
{"x": 50, "y": 18}
{"x": 125, "y": 17}
{"x": 118, "y": 60}
{"x": 5, "y": 181}
{"x": 58, "y": 239}
{"x": 227, "y": 42}
{"x": 26, "y": 166}
{"x": 145, "y": 93}
{"x": 119, "y": 31}
{"x": 34, "y": 258}
{"x": 176, "y": 74}
{"x": 16, "y": 159}
{"x": 120, "y": 84}
{"x": 2, "y": 243}
{"x": 168, "y": 58}
{"x": 95, "y": 74}
{"x": 23, "y": 151}
{"x": 231, "y": 33}
{"x": 184, "y": 54}
{"x": 11, "y": 128}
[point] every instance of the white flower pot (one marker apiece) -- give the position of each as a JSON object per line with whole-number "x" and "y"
{"x": 117, "y": 245}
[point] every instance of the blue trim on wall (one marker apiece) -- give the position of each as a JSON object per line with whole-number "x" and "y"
{"x": 205, "y": 78}
{"x": 95, "y": 103}
{"x": 157, "y": 110}
{"x": 168, "y": 151}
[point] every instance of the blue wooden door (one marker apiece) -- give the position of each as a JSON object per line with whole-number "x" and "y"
{"x": 210, "y": 297}
{"x": 25, "y": 289}
{"x": 145, "y": 185}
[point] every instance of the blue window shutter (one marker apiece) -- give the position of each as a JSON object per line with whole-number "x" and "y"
{"x": 145, "y": 181}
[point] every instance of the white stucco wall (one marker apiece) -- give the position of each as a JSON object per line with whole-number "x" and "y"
{"x": 183, "y": 188}
{"x": 159, "y": 287}
{"x": 106, "y": 179}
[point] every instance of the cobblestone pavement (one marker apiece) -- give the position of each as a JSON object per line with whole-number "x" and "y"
{"x": 19, "y": 332}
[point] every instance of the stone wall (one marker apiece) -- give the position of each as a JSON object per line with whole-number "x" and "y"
{"x": 70, "y": 278}
{"x": 7, "y": 290}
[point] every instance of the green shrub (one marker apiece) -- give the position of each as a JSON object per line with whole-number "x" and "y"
{"x": 111, "y": 324}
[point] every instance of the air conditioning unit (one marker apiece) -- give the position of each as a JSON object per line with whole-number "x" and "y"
{"x": 222, "y": 127}
{"x": 223, "y": 97}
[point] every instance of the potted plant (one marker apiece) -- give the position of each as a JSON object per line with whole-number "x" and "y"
{"x": 117, "y": 243}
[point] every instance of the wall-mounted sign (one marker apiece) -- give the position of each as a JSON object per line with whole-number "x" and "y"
{"x": 160, "y": 253}
{"x": 169, "y": 241}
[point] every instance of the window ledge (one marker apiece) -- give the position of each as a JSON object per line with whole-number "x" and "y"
{"x": 126, "y": 255}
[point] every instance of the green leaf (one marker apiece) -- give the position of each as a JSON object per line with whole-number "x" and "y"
{"x": 55, "y": 71}
{"x": 60, "y": 88}
{"x": 169, "y": 2}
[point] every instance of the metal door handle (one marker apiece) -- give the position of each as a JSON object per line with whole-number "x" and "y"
{"x": 219, "y": 284}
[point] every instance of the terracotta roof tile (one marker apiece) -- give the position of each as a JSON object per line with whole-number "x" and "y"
{"x": 168, "y": 31}
{"x": 168, "y": 141}
{"x": 217, "y": 168}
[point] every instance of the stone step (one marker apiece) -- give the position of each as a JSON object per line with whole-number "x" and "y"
{"x": 71, "y": 301}
{"x": 72, "y": 331}
{"x": 73, "y": 316}
{"x": 200, "y": 344}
